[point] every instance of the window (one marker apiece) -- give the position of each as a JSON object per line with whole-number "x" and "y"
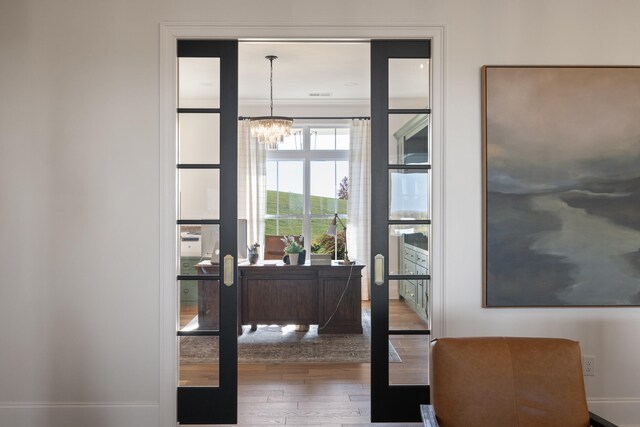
{"x": 308, "y": 182}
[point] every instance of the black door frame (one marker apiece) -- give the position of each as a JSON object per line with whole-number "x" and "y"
{"x": 389, "y": 403}
{"x": 218, "y": 405}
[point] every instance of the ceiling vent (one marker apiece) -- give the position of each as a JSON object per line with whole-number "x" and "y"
{"x": 320, "y": 94}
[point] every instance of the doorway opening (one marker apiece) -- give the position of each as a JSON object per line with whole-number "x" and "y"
{"x": 300, "y": 188}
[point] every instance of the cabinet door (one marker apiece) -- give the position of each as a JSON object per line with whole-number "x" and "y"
{"x": 421, "y": 288}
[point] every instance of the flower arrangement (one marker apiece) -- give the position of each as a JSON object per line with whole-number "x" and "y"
{"x": 291, "y": 246}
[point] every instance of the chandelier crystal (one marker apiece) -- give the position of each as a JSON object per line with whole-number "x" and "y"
{"x": 271, "y": 130}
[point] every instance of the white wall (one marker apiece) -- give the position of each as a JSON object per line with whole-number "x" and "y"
{"x": 79, "y": 190}
{"x": 530, "y": 32}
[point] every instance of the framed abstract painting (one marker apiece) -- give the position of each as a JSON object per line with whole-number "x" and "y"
{"x": 561, "y": 181}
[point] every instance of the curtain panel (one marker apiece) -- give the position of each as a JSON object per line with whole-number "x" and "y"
{"x": 359, "y": 202}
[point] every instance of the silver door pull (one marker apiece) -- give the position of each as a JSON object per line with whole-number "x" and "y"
{"x": 228, "y": 270}
{"x": 379, "y": 270}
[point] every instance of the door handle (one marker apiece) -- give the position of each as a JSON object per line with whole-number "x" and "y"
{"x": 378, "y": 275}
{"x": 228, "y": 270}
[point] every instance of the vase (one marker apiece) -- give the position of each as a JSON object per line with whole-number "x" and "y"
{"x": 253, "y": 258}
{"x": 293, "y": 259}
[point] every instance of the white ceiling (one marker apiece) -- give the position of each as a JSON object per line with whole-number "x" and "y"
{"x": 340, "y": 70}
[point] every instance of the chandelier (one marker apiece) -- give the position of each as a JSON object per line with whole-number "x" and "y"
{"x": 271, "y": 130}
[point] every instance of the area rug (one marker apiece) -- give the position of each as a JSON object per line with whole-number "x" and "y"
{"x": 278, "y": 344}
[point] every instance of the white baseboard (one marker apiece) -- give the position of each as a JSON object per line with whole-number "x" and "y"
{"x": 625, "y": 412}
{"x": 78, "y": 414}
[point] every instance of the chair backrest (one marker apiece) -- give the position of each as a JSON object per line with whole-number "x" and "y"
{"x": 507, "y": 382}
{"x": 274, "y": 246}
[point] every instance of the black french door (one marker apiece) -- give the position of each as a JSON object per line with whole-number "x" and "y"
{"x": 207, "y": 116}
{"x": 400, "y": 221}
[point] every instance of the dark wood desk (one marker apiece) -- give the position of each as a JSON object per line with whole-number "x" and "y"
{"x": 208, "y": 297}
{"x": 300, "y": 294}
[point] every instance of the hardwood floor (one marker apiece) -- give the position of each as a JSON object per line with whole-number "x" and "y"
{"x": 303, "y": 394}
{"x": 329, "y": 394}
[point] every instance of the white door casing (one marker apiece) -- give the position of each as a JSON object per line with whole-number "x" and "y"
{"x": 169, "y": 34}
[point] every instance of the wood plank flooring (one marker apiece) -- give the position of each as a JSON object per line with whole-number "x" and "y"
{"x": 329, "y": 394}
{"x": 304, "y": 394}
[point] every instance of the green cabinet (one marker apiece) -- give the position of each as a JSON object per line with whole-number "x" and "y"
{"x": 188, "y": 288}
{"x": 415, "y": 292}
{"x": 412, "y": 148}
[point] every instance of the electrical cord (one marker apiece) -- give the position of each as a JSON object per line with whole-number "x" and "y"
{"x": 344, "y": 291}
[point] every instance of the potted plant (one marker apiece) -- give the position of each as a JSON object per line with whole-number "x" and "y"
{"x": 292, "y": 248}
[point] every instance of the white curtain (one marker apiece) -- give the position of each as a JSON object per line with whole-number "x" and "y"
{"x": 358, "y": 204}
{"x": 252, "y": 200}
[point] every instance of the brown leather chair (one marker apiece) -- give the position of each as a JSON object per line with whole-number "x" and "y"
{"x": 507, "y": 382}
{"x": 274, "y": 246}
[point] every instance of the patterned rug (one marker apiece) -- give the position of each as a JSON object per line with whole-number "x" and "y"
{"x": 278, "y": 344}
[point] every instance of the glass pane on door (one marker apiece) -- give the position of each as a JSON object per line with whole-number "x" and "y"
{"x": 408, "y": 83}
{"x": 198, "y": 82}
{"x": 408, "y": 249}
{"x": 200, "y": 304}
{"x": 199, "y": 196}
{"x": 406, "y": 310}
{"x": 198, "y": 242}
{"x": 408, "y": 139}
{"x": 409, "y": 359}
{"x": 199, "y": 361}
{"x": 408, "y": 194}
{"x": 199, "y": 138}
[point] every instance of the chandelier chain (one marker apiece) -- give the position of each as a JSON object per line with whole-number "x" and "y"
{"x": 271, "y": 58}
{"x": 271, "y": 130}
